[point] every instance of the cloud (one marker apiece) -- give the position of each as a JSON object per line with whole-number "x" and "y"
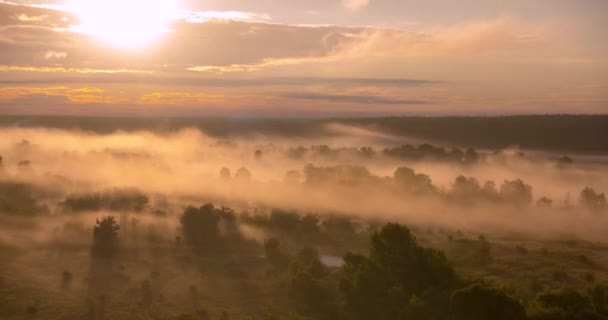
{"x": 205, "y": 16}
{"x": 39, "y": 99}
{"x": 355, "y": 4}
{"x": 236, "y": 44}
{"x": 17, "y": 14}
{"x": 347, "y": 98}
{"x": 152, "y": 79}
{"x": 55, "y": 55}
{"x": 498, "y": 63}
{"x": 8, "y": 68}
{"x": 35, "y": 95}
{"x": 180, "y": 98}
{"x": 26, "y": 18}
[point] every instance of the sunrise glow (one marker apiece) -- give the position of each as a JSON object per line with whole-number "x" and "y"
{"x": 125, "y": 23}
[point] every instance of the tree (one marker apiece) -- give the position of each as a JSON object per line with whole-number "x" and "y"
{"x": 105, "y": 237}
{"x": 544, "y": 202}
{"x": 592, "y": 200}
{"x": 466, "y": 190}
{"x": 200, "y": 227}
{"x": 341, "y": 174}
{"x": 471, "y": 156}
{"x": 409, "y": 265}
{"x": 113, "y": 200}
{"x": 477, "y": 302}
{"x": 287, "y": 222}
{"x": 242, "y": 175}
{"x": 308, "y": 261}
{"x": 365, "y": 288}
{"x": 516, "y": 192}
{"x": 341, "y": 229}
{"x": 382, "y": 285}
{"x": 273, "y": 252}
{"x": 309, "y": 225}
{"x": 413, "y": 183}
{"x": 489, "y": 191}
{"x": 564, "y": 303}
{"x": 25, "y": 168}
{"x": 305, "y": 276}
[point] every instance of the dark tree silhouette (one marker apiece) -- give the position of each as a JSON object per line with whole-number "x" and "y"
{"x": 563, "y": 303}
{"x": 113, "y": 200}
{"x": 274, "y": 254}
{"x": 481, "y": 303}
{"x": 105, "y": 237}
{"x": 516, "y": 192}
{"x": 305, "y": 276}
{"x": 544, "y": 202}
{"x": 413, "y": 183}
{"x": 341, "y": 174}
{"x": 592, "y": 200}
{"x": 466, "y": 190}
{"x": 397, "y": 270}
{"x": 200, "y": 227}
{"x": 243, "y": 175}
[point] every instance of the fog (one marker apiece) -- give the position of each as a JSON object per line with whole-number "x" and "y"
{"x": 347, "y": 172}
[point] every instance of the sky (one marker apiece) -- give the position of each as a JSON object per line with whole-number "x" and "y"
{"x": 292, "y": 58}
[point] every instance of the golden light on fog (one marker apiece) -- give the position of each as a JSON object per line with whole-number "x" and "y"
{"x": 125, "y": 23}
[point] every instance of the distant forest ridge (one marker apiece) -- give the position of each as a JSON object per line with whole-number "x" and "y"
{"x": 565, "y": 133}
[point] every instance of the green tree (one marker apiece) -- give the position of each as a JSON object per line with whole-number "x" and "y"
{"x": 383, "y": 285}
{"x": 407, "y": 264}
{"x": 307, "y": 286}
{"x": 565, "y": 303}
{"x": 477, "y": 302}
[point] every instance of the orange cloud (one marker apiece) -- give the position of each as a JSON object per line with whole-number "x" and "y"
{"x": 180, "y": 98}
{"x": 75, "y": 95}
{"x": 5, "y": 68}
{"x": 266, "y": 63}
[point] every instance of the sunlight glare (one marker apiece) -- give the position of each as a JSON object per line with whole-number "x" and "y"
{"x": 125, "y": 23}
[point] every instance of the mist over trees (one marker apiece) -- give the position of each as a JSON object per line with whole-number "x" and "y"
{"x": 181, "y": 225}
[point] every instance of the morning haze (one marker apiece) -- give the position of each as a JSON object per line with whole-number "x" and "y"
{"x": 317, "y": 160}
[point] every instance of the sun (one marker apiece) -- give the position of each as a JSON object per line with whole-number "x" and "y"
{"x": 124, "y": 23}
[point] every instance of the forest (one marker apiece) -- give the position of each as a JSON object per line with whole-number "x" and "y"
{"x": 130, "y": 219}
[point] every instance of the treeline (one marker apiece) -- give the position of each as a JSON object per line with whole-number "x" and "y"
{"x": 463, "y": 191}
{"x": 541, "y": 132}
{"x": 407, "y": 152}
{"x": 27, "y": 199}
{"x": 544, "y": 132}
